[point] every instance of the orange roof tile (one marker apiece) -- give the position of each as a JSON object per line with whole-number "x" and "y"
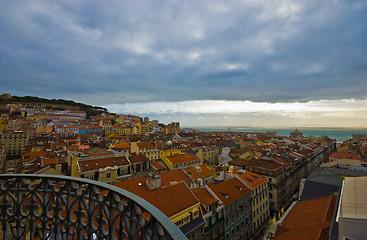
{"x": 174, "y": 176}
{"x": 157, "y": 166}
{"x": 35, "y": 153}
{"x": 163, "y": 198}
{"x": 252, "y": 179}
{"x": 201, "y": 171}
{"x": 229, "y": 190}
{"x": 309, "y": 219}
{"x": 204, "y": 196}
{"x": 182, "y": 158}
{"x": 121, "y": 145}
{"x": 345, "y": 155}
{"x": 94, "y": 164}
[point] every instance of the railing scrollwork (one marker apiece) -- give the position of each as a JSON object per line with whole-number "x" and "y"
{"x": 61, "y": 207}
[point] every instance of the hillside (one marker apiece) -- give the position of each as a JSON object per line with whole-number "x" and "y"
{"x": 59, "y": 104}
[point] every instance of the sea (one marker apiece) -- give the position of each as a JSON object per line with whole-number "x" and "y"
{"x": 340, "y": 135}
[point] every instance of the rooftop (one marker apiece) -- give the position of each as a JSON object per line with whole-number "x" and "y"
{"x": 354, "y": 198}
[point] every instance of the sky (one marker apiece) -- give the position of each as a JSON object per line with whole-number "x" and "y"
{"x": 254, "y": 63}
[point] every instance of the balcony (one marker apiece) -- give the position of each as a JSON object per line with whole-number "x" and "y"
{"x": 61, "y": 207}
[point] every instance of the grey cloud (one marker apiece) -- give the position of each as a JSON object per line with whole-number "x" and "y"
{"x": 145, "y": 51}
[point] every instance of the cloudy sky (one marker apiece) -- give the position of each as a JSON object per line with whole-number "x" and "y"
{"x": 257, "y": 63}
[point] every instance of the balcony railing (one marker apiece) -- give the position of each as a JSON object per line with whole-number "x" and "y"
{"x": 61, "y": 207}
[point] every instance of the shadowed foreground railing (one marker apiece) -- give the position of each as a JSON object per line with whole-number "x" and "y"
{"x": 61, "y": 207}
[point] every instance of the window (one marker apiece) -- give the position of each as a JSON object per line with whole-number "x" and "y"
{"x": 108, "y": 175}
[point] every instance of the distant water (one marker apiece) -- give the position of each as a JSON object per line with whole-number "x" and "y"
{"x": 339, "y": 135}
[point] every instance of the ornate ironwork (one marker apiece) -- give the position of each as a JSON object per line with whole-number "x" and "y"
{"x": 61, "y": 207}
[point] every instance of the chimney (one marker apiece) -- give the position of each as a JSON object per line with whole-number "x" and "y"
{"x": 153, "y": 182}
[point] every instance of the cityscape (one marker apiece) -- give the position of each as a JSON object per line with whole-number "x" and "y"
{"x": 208, "y": 120}
{"x": 211, "y": 185}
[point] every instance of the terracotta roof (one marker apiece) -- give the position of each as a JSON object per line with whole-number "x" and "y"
{"x": 265, "y": 164}
{"x": 201, "y": 171}
{"x": 35, "y": 153}
{"x": 94, "y": 164}
{"x": 134, "y": 158}
{"x": 163, "y": 198}
{"x": 345, "y": 155}
{"x": 182, "y": 158}
{"x": 157, "y": 166}
{"x": 174, "y": 176}
{"x": 239, "y": 162}
{"x": 229, "y": 190}
{"x": 204, "y": 196}
{"x": 77, "y": 147}
{"x": 121, "y": 145}
{"x": 252, "y": 179}
{"x": 97, "y": 152}
{"x": 309, "y": 219}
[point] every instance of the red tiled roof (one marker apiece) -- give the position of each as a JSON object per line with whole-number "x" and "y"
{"x": 204, "y": 196}
{"x": 134, "y": 158}
{"x": 201, "y": 171}
{"x": 94, "y": 164}
{"x": 97, "y": 152}
{"x": 162, "y": 198}
{"x": 309, "y": 219}
{"x": 157, "y": 166}
{"x": 229, "y": 190}
{"x": 181, "y": 158}
{"x": 121, "y": 145}
{"x": 35, "y": 153}
{"x": 345, "y": 155}
{"x": 252, "y": 179}
{"x": 174, "y": 176}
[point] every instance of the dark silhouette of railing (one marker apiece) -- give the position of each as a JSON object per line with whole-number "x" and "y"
{"x": 62, "y": 207}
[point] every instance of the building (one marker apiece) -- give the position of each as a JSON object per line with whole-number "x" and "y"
{"x": 108, "y": 170}
{"x": 201, "y": 174}
{"x": 185, "y": 212}
{"x": 140, "y": 164}
{"x": 3, "y": 124}
{"x": 213, "y": 213}
{"x": 260, "y": 200}
{"x": 236, "y": 199}
{"x": 352, "y": 212}
{"x": 180, "y": 161}
{"x": 309, "y": 219}
{"x": 14, "y": 142}
{"x": 147, "y": 149}
{"x": 208, "y": 155}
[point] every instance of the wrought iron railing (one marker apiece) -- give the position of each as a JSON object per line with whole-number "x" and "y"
{"x": 61, "y": 207}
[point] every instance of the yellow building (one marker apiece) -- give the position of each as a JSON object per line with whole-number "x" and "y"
{"x": 260, "y": 198}
{"x": 118, "y": 129}
{"x": 107, "y": 170}
{"x": 179, "y": 161}
{"x": 3, "y": 124}
{"x": 145, "y": 148}
{"x": 44, "y": 129}
{"x": 208, "y": 155}
{"x": 168, "y": 152}
{"x": 106, "y": 126}
{"x": 14, "y": 142}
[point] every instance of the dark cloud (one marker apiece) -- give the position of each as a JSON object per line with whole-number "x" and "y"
{"x": 145, "y": 51}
